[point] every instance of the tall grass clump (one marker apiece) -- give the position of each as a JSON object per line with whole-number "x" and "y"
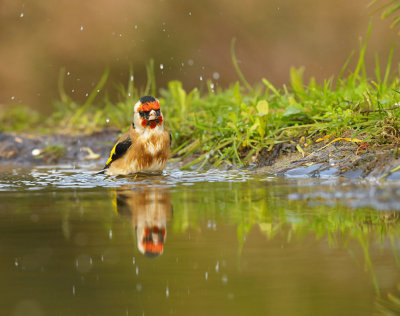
{"x": 235, "y": 124}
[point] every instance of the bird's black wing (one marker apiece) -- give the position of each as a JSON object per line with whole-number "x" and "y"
{"x": 118, "y": 151}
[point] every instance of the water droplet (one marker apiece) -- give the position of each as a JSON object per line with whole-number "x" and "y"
{"x": 137, "y": 270}
{"x": 224, "y": 279}
{"x": 138, "y": 287}
{"x": 13, "y": 98}
{"x": 98, "y": 90}
{"x": 129, "y": 94}
{"x": 201, "y": 78}
{"x": 73, "y": 290}
{"x": 217, "y": 267}
{"x": 73, "y": 90}
{"x": 135, "y": 27}
{"x": 86, "y": 94}
{"x": 211, "y": 85}
{"x": 16, "y": 263}
{"x": 21, "y": 15}
{"x": 68, "y": 73}
{"x": 110, "y": 234}
{"x": 206, "y": 275}
{"x": 132, "y": 77}
{"x": 190, "y": 13}
{"x": 190, "y": 62}
{"x": 161, "y": 66}
{"x": 107, "y": 120}
{"x": 81, "y": 27}
{"x": 167, "y": 292}
{"x": 216, "y": 75}
{"x": 133, "y": 260}
{"x": 83, "y": 263}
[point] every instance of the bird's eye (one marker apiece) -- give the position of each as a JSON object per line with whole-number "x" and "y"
{"x": 144, "y": 114}
{"x": 158, "y": 112}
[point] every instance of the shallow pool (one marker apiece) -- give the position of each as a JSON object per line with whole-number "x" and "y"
{"x": 200, "y": 243}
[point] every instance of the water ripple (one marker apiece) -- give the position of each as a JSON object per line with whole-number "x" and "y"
{"x": 43, "y": 177}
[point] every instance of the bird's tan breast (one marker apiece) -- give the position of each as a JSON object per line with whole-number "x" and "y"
{"x": 148, "y": 153}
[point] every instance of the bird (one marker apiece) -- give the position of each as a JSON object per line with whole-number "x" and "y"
{"x": 149, "y": 210}
{"x": 145, "y": 147}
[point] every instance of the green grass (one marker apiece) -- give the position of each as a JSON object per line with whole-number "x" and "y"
{"x": 233, "y": 125}
{"x": 388, "y": 9}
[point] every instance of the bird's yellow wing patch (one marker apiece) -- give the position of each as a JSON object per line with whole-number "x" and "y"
{"x": 118, "y": 150}
{"x": 111, "y": 154}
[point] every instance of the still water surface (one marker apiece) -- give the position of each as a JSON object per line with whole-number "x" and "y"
{"x": 211, "y": 243}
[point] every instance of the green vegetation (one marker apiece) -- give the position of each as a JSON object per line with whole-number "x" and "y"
{"x": 51, "y": 153}
{"x": 18, "y": 118}
{"x": 389, "y": 9}
{"x": 233, "y": 125}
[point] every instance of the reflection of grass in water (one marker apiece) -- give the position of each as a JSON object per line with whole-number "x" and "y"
{"x": 390, "y": 305}
{"x": 248, "y": 207}
{"x": 252, "y": 205}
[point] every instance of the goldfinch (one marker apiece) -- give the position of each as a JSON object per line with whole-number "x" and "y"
{"x": 149, "y": 209}
{"x": 145, "y": 147}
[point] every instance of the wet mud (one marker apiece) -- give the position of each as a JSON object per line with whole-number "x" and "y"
{"x": 28, "y": 149}
{"x": 341, "y": 158}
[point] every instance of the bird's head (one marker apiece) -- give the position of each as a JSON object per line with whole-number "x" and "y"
{"x": 147, "y": 113}
{"x": 151, "y": 240}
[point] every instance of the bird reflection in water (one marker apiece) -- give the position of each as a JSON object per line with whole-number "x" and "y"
{"x": 149, "y": 208}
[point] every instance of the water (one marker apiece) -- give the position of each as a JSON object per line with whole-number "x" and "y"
{"x": 217, "y": 243}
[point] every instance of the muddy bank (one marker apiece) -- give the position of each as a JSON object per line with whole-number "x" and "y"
{"x": 28, "y": 149}
{"x": 341, "y": 158}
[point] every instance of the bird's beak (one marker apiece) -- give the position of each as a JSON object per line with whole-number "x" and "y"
{"x": 152, "y": 115}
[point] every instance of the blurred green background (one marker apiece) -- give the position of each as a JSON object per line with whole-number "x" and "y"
{"x": 188, "y": 40}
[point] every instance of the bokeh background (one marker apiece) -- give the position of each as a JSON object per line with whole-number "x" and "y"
{"x": 189, "y": 40}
